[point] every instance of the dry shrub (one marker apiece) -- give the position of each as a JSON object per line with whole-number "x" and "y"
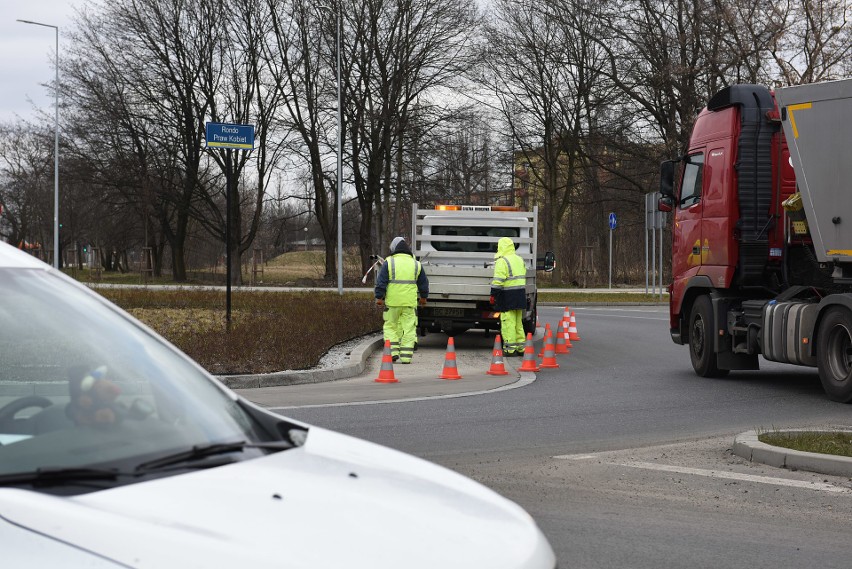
{"x": 270, "y": 331}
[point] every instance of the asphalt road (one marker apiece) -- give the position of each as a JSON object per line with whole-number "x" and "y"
{"x": 622, "y": 455}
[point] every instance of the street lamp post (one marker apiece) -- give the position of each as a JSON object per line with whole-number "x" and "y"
{"x": 55, "y": 149}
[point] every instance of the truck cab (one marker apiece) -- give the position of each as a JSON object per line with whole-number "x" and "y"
{"x": 728, "y": 225}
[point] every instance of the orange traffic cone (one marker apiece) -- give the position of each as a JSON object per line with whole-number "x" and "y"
{"x": 549, "y": 360}
{"x": 573, "y": 335}
{"x": 450, "y": 371}
{"x": 566, "y": 314}
{"x": 386, "y": 372}
{"x": 566, "y": 324}
{"x": 561, "y": 346}
{"x": 497, "y": 367}
{"x": 547, "y": 331}
{"x": 529, "y": 363}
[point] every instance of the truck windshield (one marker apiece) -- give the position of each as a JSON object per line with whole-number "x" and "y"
{"x": 471, "y": 246}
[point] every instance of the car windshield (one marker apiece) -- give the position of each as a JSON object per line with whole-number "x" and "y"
{"x": 83, "y": 386}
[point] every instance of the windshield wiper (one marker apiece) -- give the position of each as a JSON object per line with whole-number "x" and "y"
{"x": 61, "y": 475}
{"x": 198, "y": 452}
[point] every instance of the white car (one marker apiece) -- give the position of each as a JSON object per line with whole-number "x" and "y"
{"x": 116, "y": 450}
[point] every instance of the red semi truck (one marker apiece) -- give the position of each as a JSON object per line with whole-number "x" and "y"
{"x": 762, "y": 232}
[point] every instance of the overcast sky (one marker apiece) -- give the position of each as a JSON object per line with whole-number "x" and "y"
{"x": 26, "y": 53}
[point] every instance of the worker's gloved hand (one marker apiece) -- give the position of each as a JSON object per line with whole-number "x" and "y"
{"x": 380, "y": 302}
{"x": 492, "y": 300}
{"x": 422, "y": 301}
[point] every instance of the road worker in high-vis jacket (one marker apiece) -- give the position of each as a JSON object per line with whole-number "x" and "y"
{"x": 509, "y": 296}
{"x": 400, "y": 286}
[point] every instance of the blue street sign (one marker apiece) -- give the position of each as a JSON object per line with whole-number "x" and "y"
{"x": 612, "y": 221}
{"x": 224, "y": 135}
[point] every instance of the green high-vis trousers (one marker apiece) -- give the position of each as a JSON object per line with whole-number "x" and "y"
{"x": 401, "y": 329}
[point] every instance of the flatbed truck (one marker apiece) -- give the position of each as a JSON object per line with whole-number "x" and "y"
{"x": 455, "y": 245}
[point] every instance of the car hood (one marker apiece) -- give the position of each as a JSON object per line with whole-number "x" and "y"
{"x": 337, "y": 501}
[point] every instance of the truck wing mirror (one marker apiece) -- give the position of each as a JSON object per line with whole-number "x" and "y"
{"x": 665, "y": 204}
{"x": 667, "y": 172}
{"x": 546, "y": 263}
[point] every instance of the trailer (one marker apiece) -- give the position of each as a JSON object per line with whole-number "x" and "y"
{"x": 456, "y": 245}
{"x": 762, "y": 232}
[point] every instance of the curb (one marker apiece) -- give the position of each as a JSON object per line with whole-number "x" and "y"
{"x": 747, "y": 446}
{"x": 358, "y": 357}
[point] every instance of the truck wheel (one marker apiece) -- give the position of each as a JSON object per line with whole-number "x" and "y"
{"x": 834, "y": 354}
{"x": 701, "y": 328}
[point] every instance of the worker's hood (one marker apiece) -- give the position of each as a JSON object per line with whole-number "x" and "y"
{"x": 335, "y": 502}
{"x": 504, "y": 247}
{"x": 399, "y": 245}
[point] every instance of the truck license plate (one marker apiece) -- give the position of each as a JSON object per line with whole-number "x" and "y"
{"x": 438, "y": 311}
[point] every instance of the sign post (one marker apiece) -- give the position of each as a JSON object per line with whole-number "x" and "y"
{"x": 654, "y": 222}
{"x": 612, "y": 224}
{"x": 230, "y": 137}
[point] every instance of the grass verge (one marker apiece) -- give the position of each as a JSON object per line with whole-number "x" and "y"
{"x": 602, "y": 297}
{"x": 823, "y": 442}
{"x": 270, "y": 331}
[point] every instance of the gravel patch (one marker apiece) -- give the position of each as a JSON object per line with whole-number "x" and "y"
{"x": 338, "y": 355}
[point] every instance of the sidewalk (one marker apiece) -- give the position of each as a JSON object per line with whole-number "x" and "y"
{"x": 420, "y": 379}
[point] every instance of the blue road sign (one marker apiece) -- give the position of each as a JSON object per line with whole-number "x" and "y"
{"x": 612, "y": 221}
{"x": 224, "y": 135}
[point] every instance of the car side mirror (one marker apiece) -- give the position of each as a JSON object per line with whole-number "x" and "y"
{"x": 667, "y": 172}
{"x": 546, "y": 263}
{"x": 665, "y": 204}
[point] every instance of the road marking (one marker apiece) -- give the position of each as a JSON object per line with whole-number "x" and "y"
{"x": 526, "y": 379}
{"x": 820, "y": 486}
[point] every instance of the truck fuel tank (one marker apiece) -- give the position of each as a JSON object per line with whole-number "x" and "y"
{"x": 788, "y": 331}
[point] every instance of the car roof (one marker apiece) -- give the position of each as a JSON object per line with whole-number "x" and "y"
{"x": 10, "y": 257}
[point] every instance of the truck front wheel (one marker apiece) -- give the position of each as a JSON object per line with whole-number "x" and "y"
{"x": 834, "y": 354}
{"x": 701, "y": 327}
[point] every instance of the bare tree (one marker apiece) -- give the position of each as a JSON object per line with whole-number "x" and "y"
{"x": 26, "y": 184}
{"x": 398, "y": 51}
{"x": 816, "y": 43}
{"x": 155, "y": 53}
{"x": 545, "y": 77}
{"x": 239, "y": 88}
{"x": 301, "y": 67}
